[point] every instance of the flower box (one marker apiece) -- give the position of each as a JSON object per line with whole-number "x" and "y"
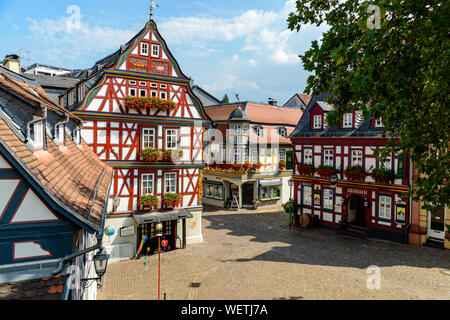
{"x": 171, "y": 155}
{"x": 171, "y": 200}
{"x": 149, "y": 202}
{"x": 237, "y": 167}
{"x": 151, "y": 155}
{"x": 381, "y": 175}
{"x": 144, "y": 103}
{"x": 355, "y": 173}
{"x": 282, "y": 165}
{"x": 306, "y": 169}
{"x": 326, "y": 171}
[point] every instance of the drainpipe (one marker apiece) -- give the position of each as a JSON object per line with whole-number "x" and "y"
{"x": 411, "y": 173}
{"x": 28, "y": 132}
{"x": 68, "y": 258}
{"x": 62, "y": 123}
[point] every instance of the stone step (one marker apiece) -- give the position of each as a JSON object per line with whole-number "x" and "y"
{"x": 352, "y": 233}
{"x": 434, "y": 243}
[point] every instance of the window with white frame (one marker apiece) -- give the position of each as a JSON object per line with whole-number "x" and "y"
{"x": 155, "y": 51}
{"x": 282, "y": 154}
{"x": 378, "y": 123}
{"x": 328, "y": 158}
{"x": 148, "y": 183}
{"x": 258, "y": 131}
{"x": 153, "y": 85}
{"x": 164, "y": 86}
{"x": 132, "y": 82}
{"x": 144, "y": 48}
{"x": 163, "y": 95}
{"x": 307, "y": 195}
{"x": 255, "y": 157}
{"x": 328, "y": 199}
{"x": 308, "y": 156}
{"x": 348, "y": 120}
{"x": 170, "y": 183}
{"x": 132, "y": 92}
{"x": 317, "y": 122}
{"x": 38, "y": 135}
{"x": 246, "y": 155}
{"x": 143, "y": 84}
{"x": 142, "y": 93}
{"x": 237, "y": 156}
{"x": 81, "y": 92}
{"x": 385, "y": 207}
{"x": 388, "y": 164}
{"x": 148, "y": 138}
{"x": 171, "y": 139}
{"x": 357, "y": 158}
{"x": 282, "y": 132}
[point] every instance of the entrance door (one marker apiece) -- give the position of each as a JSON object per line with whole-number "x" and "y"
{"x": 151, "y": 245}
{"x": 436, "y": 224}
{"x": 247, "y": 194}
{"x": 357, "y": 212}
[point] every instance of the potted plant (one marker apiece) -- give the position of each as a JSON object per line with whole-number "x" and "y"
{"x": 326, "y": 171}
{"x": 171, "y": 200}
{"x": 289, "y": 207}
{"x": 355, "y": 173}
{"x": 150, "y": 155}
{"x": 381, "y": 175}
{"x": 306, "y": 169}
{"x": 282, "y": 165}
{"x": 256, "y": 204}
{"x": 149, "y": 202}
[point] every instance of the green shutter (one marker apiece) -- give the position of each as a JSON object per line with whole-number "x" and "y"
{"x": 289, "y": 160}
{"x": 401, "y": 166}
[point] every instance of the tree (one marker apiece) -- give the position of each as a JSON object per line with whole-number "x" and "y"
{"x": 225, "y": 99}
{"x": 391, "y": 62}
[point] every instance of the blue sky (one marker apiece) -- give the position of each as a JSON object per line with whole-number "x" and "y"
{"x": 227, "y": 47}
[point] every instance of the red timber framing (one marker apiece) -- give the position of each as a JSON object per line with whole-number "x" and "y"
{"x": 368, "y": 193}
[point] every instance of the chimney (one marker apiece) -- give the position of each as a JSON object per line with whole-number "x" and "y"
{"x": 12, "y": 63}
{"x": 273, "y": 102}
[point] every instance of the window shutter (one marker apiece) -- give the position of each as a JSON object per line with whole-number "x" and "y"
{"x": 401, "y": 166}
{"x": 289, "y": 160}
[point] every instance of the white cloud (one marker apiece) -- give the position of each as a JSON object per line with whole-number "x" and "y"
{"x": 226, "y": 82}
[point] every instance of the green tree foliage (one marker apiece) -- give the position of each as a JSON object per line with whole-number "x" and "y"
{"x": 225, "y": 99}
{"x": 391, "y": 62}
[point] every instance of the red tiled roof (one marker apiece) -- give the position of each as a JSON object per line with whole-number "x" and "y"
{"x": 305, "y": 98}
{"x": 72, "y": 175}
{"x": 223, "y": 112}
{"x": 50, "y": 288}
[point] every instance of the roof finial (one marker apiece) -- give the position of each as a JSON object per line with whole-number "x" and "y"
{"x": 153, "y": 4}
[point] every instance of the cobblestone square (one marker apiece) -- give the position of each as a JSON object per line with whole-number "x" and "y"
{"x": 249, "y": 255}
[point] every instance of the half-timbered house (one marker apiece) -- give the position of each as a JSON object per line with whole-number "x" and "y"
{"x": 138, "y": 99}
{"x": 339, "y": 179}
{"x": 53, "y": 193}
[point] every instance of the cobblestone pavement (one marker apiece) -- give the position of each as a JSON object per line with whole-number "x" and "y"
{"x": 256, "y": 256}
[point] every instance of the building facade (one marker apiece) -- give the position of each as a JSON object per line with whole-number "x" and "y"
{"x": 137, "y": 99}
{"x": 249, "y": 155}
{"x": 339, "y": 179}
{"x": 53, "y": 194}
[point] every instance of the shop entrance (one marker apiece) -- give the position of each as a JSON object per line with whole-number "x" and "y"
{"x": 150, "y": 247}
{"x": 247, "y": 194}
{"x": 357, "y": 212}
{"x": 436, "y": 224}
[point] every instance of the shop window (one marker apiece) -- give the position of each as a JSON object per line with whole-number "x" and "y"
{"x": 214, "y": 191}
{"x": 307, "y": 195}
{"x": 328, "y": 199}
{"x": 270, "y": 193}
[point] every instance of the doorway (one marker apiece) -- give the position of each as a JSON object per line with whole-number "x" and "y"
{"x": 436, "y": 224}
{"x": 247, "y": 194}
{"x": 357, "y": 212}
{"x": 151, "y": 246}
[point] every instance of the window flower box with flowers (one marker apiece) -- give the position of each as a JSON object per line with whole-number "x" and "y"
{"x": 325, "y": 171}
{"x": 355, "y": 173}
{"x": 282, "y": 165}
{"x": 237, "y": 167}
{"x": 144, "y": 103}
{"x": 172, "y": 155}
{"x": 381, "y": 175}
{"x": 248, "y": 167}
{"x": 151, "y": 155}
{"x": 171, "y": 200}
{"x": 257, "y": 166}
{"x": 148, "y": 202}
{"x": 306, "y": 169}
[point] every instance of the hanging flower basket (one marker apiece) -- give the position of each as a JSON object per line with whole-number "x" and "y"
{"x": 326, "y": 171}
{"x": 151, "y": 155}
{"x": 381, "y": 175}
{"x": 306, "y": 169}
{"x": 144, "y": 103}
{"x": 149, "y": 202}
{"x": 171, "y": 200}
{"x": 355, "y": 173}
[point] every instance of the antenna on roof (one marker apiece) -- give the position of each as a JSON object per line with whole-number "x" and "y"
{"x": 237, "y": 97}
{"x": 153, "y": 4}
{"x": 24, "y": 55}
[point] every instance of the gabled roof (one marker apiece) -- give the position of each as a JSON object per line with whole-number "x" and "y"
{"x": 72, "y": 179}
{"x": 305, "y": 98}
{"x": 205, "y": 97}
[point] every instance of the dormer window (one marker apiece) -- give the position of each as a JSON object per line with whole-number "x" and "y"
{"x": 348, "y": 120}
{"x": 378, "y": 123}
{"x": 60, "y": 134}
{"x": 317, "y": 122}
{"x": 282, "y": 132}
{"x": 76, "y": 136}
{"x": 258, "y": 131}
{"x": 38, "y": 135}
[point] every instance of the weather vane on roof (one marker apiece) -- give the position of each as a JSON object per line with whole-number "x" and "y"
{"x": 153, "y": 4}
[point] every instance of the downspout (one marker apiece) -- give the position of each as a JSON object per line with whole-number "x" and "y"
{"x": 62, "y": 123}
{"x": 28, "y": 132}
{"x": 411, "y": 173}
{"x": 68, "y": 258}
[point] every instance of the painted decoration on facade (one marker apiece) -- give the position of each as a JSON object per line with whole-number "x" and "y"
{"x": 33, "y": 210}
{"x": 29, "y": 250}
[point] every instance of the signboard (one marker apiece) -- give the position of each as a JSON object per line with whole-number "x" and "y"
{"x": 400, "y": 216}
{"x": 333, "y": 179}
{"x": 317, "y": 196}
{"x": 127, "y": 231}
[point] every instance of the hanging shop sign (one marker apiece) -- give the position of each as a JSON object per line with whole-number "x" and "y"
{"x": 333, "y": 179}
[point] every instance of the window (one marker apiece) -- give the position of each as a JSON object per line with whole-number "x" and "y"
{"x": 60, "y": 134}
{"x": 171, "y": 139}
{"x": 245, "y": 155}
{"x": 38, "y": 135}
{"x": 388, "y": 164}
{"x": 282, "y": 132}
{"x": 148, "y": 138}
{"x": 170, "y": 183}
{"x": 214, "y": 191}
{"x": 308, "y": 156}
{"x": 144, "y": 49}
{"x": 385, "y": 207}
{"x": 269, "y": 152}
{"x": 317, "y": 122}
{"x": 164, "y": 95}
{"x": 282, "y": 154}
{"x": 237, "y": 156}
{"x": 163, "y": 86}
{"x": 132, "y": 83}
{"x": 378, "y": 123}
{"x": 237, "y": 130}
{"x": 270, "y": 193}
{"x": 357, "y": 158}
{"x": 259, "y": 131}
{"x": 133, "y": 92}
{"x": 61, "y": 100}
{"x": 70, "y": 98}
{"x": 143, "y": 84}
{"x": 153, "y": 85}
{"x": 142, "y": 93}
{"x": 307, "y": 195}
{"x": 155, "y": 51}
{"x": 348, "y": 120}
{"x": 328, "y": 158}
{"x": 154, "y": 94}
{"x": 81, "y": 92}
{"x": 328, "y": 199}
{"x": 255, "y": 157}
{"x": 147, "y": 184}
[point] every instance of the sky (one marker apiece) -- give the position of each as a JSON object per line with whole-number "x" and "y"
{"x": 226, "y": 47}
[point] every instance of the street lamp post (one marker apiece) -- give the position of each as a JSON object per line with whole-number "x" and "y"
{"x": 291, "y": 184}
{"x": 159, "y": 228}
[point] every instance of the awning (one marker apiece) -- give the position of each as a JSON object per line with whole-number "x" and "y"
{"x": 270, "y": 183}
{"x": 162, "y": 216}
